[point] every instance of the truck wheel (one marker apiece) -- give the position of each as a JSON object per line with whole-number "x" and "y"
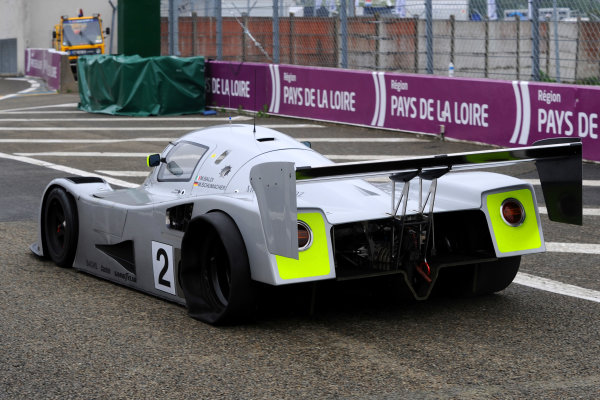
{"x": 214, "y": 271}
{"x": 61, "y": 227}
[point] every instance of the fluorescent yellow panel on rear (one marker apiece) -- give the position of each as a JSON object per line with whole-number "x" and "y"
{"x": 312, "y": 262}
{"x": 508, "y": 238}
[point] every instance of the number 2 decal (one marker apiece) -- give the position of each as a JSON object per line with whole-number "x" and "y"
{"x": 162, "y": 264}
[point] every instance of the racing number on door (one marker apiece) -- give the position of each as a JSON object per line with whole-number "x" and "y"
{"x": 162, "y": 264}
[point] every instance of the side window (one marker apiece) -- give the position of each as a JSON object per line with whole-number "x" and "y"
{"x": 181, "y": 162}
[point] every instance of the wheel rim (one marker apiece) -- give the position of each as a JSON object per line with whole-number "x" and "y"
{"x": 217, "y": 276}
{"x": 56, "y": 226}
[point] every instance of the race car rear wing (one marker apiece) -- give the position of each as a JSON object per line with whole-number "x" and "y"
{"x": 558, "y": 163}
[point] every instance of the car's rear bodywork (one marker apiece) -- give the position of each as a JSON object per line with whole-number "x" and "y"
{"x": 273, "y": 192}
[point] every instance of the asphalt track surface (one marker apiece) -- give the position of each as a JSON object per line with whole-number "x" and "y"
{"x": 68, "y": 335}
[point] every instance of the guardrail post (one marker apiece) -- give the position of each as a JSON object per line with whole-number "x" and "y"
{"x": 276, "y": 31}
{"x": 577, "y": 49}
{"x": 486, "y": 57}
{"x": 556, "y": 44}
{"x": 344, "y": 33}
{"x": 219, "y": 16}
{"x": 547, "y": 41}
{"x": 452, "y": 37}
{"x": 535, "y": 38}
{"x": 292, "y": 41}
{"x": 245, "y": 23}
{"x": 416, "y": 44}
{"x": 429, "y": 35}
{"x": 518, "y": 66}
{"x": 173, "y": 34}
{"x": 377, "y": 39}
{"x": 194, "y": 32}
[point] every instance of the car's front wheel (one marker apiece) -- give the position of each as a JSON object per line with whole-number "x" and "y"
{"x": 214, "y": 271}
{"x": 61, "y": 227}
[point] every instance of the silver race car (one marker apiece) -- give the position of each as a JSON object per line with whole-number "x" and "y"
{"x": 229, "y": 206}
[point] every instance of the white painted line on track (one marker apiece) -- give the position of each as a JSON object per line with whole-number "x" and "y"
{"x": 68, "y": 170}
{"x": 9, "y": 112}
{"x": 592, "y": 212}
{"x": 579, "y": 248}
{"x": 133, "y": 128}
{"x": 124, "y": 173}
{"x": 557, "y": 287}
{"x": 120, "y": 154}
{"x": 73, "y": 105}
{"x": 281, "y": 126}
{"x": 95, "y": 128}
{"x": 124, "y": 119}
{"x": 83, "y": 154}
{"x": 586, "y": 182}
{"x": 85, "y": 141}
{"x": 320, "y": 140}
{"x": 358, "y": 157}
{"x": 34, "y": 86}
{"x": 360, "y": 140}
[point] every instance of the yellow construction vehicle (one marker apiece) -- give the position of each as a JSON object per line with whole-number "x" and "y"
{"x": 79, "y": 36}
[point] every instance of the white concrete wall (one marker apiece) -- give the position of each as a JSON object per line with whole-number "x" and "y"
{"x": 12, "y": 17}
{"x": 32, "y": 21}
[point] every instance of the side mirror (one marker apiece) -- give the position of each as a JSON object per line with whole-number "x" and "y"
{"x": 107, "y": 30}
{"x": 307, "y": 144}
{"x": 153, "y": 160}
{"x": 53, "y": 34}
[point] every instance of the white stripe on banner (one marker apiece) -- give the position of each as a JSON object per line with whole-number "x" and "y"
{"x": 272, "y": 89}
{"x": 517, "y": 130}
{"x": 383, "y": 102}
{"x": 376, "y": 84}
{"x": 526, "y": 113}
{"x": 277, "y": 88}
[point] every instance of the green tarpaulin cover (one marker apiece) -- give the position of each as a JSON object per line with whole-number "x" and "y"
{"x": 137, "y": 86}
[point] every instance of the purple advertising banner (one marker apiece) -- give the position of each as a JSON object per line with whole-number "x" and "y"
{"x": 504, "y": 113}
{"x": 44, "y": 63}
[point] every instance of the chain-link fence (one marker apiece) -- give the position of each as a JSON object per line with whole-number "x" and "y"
{"x": 553, "y": 40}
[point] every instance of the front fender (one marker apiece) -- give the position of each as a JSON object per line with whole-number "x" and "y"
{"x": 74, "y": 186}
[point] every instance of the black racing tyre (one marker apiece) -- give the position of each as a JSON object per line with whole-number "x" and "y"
{"x": 61, "y": 227}
{"x": 492, "y": 277}
{"x": 478, "y": 279}
{"x": 214, "y": 272}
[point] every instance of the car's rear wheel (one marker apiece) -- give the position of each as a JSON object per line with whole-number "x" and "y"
{"x": 214, "y": 271}
{"x": 61, "y": 227}
{"x": 495, "y": 276}
{"x": 479, "y": 279}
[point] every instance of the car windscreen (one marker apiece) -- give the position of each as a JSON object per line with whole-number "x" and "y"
{"x": 181, "y": 162}
{"x": 81, "y": 32}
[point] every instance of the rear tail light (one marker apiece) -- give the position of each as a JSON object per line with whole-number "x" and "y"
{"x": 304, "y": 236}
{"x": 512, "y": 212}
